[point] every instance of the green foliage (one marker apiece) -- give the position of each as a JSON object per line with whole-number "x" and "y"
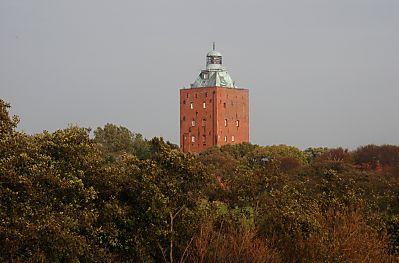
{"x": 44, "y": 201}
{"x": 65, "y": 197}
{"x": 312, "y": 153}
{"x": 393, "y": 230}
{"x": 279, "y": 152}
{"x": 7, "y": 124}
{"x": 116, "y": 140}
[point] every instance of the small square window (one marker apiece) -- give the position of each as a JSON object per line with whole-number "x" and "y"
{"x": 191, "y": 105}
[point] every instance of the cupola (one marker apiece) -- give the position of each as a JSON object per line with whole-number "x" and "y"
{"x": 214, "y": 75}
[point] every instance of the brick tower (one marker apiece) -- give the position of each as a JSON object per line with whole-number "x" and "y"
{"x": 213, "y": 111}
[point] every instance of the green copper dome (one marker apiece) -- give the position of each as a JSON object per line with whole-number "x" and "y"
{"x": 214, "y": 75}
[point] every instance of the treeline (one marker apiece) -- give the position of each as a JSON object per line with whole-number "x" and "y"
{"x": 117, "y": 197}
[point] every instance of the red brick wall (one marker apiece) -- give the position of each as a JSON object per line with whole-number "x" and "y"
{"x": 209, "y": 128}
{"x": 232, "y": 106}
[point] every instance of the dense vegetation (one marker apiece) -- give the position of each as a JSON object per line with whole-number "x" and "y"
{"x": 66, "y": 197}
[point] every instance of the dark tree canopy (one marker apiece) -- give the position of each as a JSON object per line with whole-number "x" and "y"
{"x": 65, "y": 197}
{"x": 117, "y": 139}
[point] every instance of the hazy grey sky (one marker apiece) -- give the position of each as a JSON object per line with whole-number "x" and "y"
{"x": 320, "y": 72}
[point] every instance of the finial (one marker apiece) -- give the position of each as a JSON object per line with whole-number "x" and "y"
{"x": 213, "y": 45}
